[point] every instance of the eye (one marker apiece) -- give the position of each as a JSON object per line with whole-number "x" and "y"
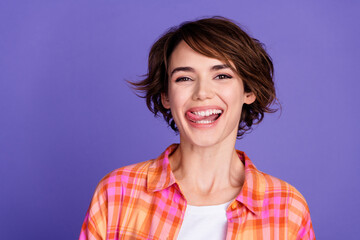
{"x": 223, "y": 76}
{"x": 183, "y": 79}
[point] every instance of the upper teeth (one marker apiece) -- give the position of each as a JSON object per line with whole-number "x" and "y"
{"x": 208, "y": 112}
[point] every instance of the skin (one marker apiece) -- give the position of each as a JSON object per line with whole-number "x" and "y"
{"x": 205, "y": 164}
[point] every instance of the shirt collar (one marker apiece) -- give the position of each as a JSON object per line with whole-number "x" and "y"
{"x": 253, "y": 190}
{"x": 252, "y": 193}
{"x": 160, "y": 175}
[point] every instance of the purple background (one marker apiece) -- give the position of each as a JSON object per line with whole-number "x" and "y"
{"x": 67, "y": 117}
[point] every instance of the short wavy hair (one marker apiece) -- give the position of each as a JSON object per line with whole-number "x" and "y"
{"x": 220, "y": 38}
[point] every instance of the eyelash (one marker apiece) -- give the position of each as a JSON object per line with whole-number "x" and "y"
{"x": 220, "y": 76}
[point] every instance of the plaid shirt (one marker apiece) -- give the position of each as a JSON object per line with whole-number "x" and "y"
{"x": 144, "y": 201}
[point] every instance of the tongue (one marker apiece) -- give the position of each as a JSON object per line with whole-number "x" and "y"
{"x": 195, "y": 118}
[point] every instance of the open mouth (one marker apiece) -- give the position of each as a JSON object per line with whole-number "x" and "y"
{"x": 204, "y": 117}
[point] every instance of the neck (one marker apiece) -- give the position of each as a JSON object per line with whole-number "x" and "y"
{"x": 207, "y": 169}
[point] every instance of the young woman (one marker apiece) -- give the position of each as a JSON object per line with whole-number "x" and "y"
{"x": 211, "y": 82}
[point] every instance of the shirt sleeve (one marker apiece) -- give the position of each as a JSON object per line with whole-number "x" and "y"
{"x": 95, "y": 223}
{"x": 300, "y": 225}
{"x": 306, "y": 230}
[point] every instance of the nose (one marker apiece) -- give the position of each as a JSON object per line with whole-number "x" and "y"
{"x": 203, "y": 90}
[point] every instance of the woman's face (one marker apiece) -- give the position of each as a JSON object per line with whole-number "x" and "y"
{"x": 205, "y": 97}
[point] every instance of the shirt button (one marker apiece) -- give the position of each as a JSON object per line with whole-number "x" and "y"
{"x": 233, "y": 206}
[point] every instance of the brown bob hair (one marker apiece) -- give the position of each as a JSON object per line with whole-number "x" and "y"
{"x": 220, "y": 38}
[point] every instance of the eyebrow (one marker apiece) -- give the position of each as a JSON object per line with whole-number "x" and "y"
{"x": 219, "y": 67}
{"x": 182, "y": 69}
{"x": 190, "y": 69}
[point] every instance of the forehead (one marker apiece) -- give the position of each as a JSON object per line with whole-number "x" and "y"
{"x": 184, "y": 55}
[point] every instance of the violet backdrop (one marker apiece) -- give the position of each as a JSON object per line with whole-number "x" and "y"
{"x": 67, "y": 117}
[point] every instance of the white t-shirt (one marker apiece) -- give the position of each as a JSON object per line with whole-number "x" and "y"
{"x": 204, "y": 222}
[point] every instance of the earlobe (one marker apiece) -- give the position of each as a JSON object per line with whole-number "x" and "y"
{"x": 165, "y": 100}
{"x": 249, "y": 98}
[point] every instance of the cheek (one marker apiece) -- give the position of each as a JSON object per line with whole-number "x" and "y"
{"x": 233, "y": 96}
{"x": 234, "y": 99}
{"x": 176, "y": 105}
{"x": 177, "y": 99}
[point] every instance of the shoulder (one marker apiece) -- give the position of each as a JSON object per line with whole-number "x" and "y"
{"x": 128, "y": 173}
{"x": 276, "y": 189}
{"x": 113, "y": 190}
{"x": 125, "y": 177}
{"x": 270, "y": 188}
{"x": 282, "y": 195}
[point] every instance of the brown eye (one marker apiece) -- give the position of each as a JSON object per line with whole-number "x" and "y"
{"x": 183, "y": 79}
{"x": 223, "y": 76}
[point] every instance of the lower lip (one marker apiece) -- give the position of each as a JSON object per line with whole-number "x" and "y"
{"x": 203, "y": 125}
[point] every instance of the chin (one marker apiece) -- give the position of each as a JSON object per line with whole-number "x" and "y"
{"x": 208, "y": 137}
{"x": 203, "y": 140}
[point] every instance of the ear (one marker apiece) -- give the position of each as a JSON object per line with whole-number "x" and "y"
{"x": 249, "y": 98}
{"x": 165, "y": 100}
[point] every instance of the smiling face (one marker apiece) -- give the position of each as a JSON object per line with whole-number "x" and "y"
{"x": 205, "y": 97}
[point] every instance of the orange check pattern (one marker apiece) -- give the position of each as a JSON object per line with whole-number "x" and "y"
{"x": 144, "y": 201}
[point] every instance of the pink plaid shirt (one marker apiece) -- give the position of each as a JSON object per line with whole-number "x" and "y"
{"x": 144, "y": 201}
